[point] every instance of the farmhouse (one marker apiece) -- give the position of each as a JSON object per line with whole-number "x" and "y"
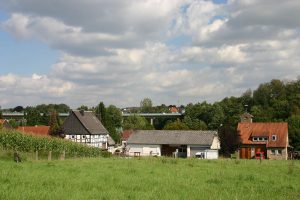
{"x": 35, "y": 130}
{"x": 269, "y": 138}
{"x": 84, "y": 127}
{"x": 177, "y": 143}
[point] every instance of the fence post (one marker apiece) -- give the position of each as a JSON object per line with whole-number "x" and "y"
{"x": 36, "y": 155}
{"x": 63, "y": 155}
{"x": 49, "y": 155}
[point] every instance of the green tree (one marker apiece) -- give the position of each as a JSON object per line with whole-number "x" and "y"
{"x": 18, "y": 109}
{"x": 53, "y": 123}
{"x": 293, "y": 96}
{"x": 44, "y": 119}
{"x": 83, "y": 107}
{"x": 176, "y": 125}
{"x": 32, "y": 116}
{"x": 113, "y": 122}
{"x": 136, "y": 122}
{"x": 146, "y": 105}
{"x": 229, "y": 139}
{"x": 13, "y": 123}
{"x": 294, "y": 131}
{"x": 194, "y": 124}
{"x": 1, "y": 116}
{"x": 100, "y": 112}
{"x": 217, "y": 118}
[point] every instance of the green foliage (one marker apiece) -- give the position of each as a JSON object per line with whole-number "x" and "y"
{"x": 13, "y": 140}
{"x": 228, "y": 137}
{"x": 32, "y": 116}
{"x": 83, "y": 107}
{"x": 100, "y": 113}
{"x": 13, "y": 123}
{"x": 137, "y": 122}
{"x": 194, "y": 124}
{"x": 53, "y": 122}
{"x": 294, "y": 131}
{"x": 1, "y": 116}
{"x": 176, "y": 125}
{"x": 146, "y": 105}
{"x": 113, "y": 122}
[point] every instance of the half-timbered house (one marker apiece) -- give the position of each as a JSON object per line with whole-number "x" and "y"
{"x": 84, "y": 127}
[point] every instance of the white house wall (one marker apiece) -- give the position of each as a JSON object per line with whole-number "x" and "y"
{"x": 91, "y": 140}
{"x": 143, "y": 150}
{"x": 216, "y": 143}
{"x": 208, "y": 153}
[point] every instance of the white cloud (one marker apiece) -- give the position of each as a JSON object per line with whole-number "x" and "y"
{"x": 123, "y": 51}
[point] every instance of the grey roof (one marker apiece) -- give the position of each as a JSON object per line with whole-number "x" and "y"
{"x": 83, "y": 123}
{"x": 178, "y": 137}
{"x": 91, "y": 122}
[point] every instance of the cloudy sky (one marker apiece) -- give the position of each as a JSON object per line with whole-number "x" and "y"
{"x": 120, "y": 51}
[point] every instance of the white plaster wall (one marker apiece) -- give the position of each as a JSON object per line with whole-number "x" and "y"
{"x": 144, "y": 150}
{"x": 216, "y": 143}
{"x": 90, "y": 140}
{"x": 212, "y": 154}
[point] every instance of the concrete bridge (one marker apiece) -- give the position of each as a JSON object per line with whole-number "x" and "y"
{"x": 152, "y": 116}
{"x": 149, "y": 116}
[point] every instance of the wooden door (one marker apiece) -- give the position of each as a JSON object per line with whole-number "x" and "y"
{"x": 245, "y": 153}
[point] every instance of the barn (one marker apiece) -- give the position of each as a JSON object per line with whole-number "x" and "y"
{"x": 177, "y": 143}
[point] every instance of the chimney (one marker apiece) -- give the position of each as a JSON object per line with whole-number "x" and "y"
{"x": 82, "y": 112}
{"x": 246, "y": 117}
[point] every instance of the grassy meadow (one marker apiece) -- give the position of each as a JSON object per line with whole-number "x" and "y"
{"x": 149, "y": 178}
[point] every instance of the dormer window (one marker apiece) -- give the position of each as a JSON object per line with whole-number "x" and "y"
{"x": 274, "y": 137}
{"x": 259, "y": 139}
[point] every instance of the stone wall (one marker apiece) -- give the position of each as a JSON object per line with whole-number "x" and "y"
{"x": 274, "y": 153}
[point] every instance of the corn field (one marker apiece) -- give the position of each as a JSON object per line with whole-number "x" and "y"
{"x": 14, "y": 140}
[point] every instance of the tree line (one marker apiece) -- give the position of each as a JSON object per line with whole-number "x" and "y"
{"x": 273, "y": 101}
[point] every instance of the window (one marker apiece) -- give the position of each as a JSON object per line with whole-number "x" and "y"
{"x": 254, "y": 138}
{"x": 273, "y": 151}
{"x": 279, "y": 152}
{"x": 73, "y": 136}
{"x": 274, "y": 137}
{"x": 83, "y": 136}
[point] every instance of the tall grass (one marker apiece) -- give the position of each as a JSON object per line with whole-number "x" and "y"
{"x": 149, "y": 178}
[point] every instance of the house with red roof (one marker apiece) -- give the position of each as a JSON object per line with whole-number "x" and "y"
{"x": 35, "y": 130}
{"x": 267, "y": 138}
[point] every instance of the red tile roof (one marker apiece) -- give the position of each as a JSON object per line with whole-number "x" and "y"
{"x": 248, "y": 130}
{"x": 173, "y": 109}
{"x": 35, "y": 130}
{"x": 2, "y": 121}
{"x": 126, "y": 134}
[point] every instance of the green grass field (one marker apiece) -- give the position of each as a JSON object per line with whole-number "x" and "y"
{"x": 149, "y": 178}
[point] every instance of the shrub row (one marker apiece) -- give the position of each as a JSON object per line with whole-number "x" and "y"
{"x": 14, "y": 140}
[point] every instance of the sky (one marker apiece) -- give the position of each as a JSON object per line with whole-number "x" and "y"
{"x": 120, "y": 52}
